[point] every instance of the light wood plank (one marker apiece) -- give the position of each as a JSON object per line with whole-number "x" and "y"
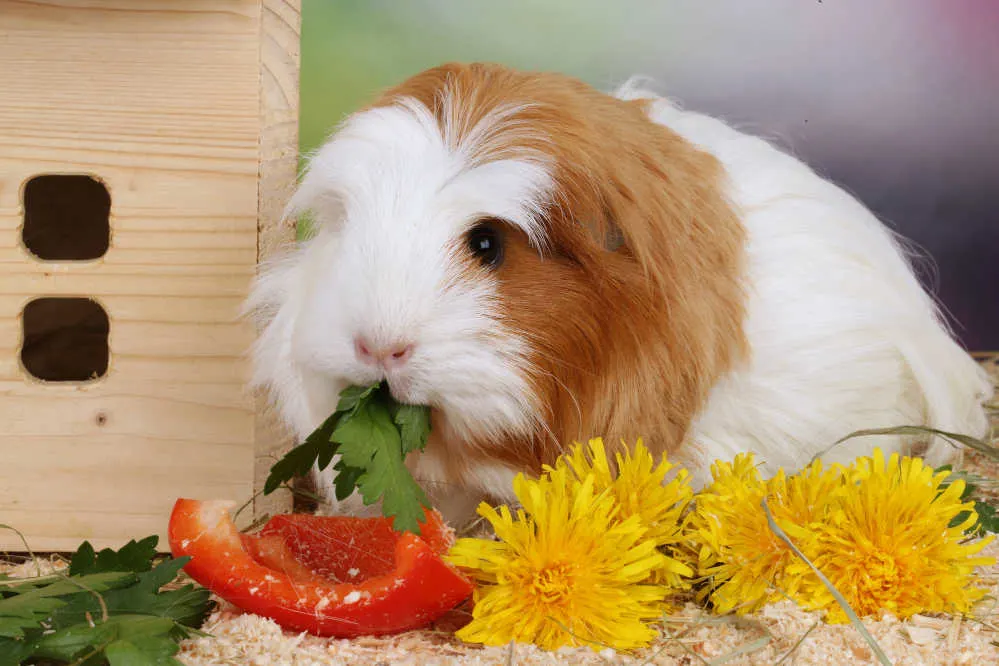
{"x": 171, "y": 309}
{"x": 198, "y": 261}
{"x": 162, "y": 101}
{"x": 86, "y": 279}
{"x": 279, "y": 69}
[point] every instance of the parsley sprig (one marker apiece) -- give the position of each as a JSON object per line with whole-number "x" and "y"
{"x": 372, "y": 434}
{"x": 988, "y": 518}
{"x": 109, "y": 608}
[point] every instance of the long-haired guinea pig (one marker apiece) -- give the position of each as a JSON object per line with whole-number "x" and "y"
{"x": 541, "y": 263}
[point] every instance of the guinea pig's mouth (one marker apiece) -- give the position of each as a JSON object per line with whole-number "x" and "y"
{"x": 402, "y": 391}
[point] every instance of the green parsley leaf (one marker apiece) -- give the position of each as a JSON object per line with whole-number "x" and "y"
{"x": 403, "y": 498}
{"x": 414, "y": 426}
{"x": 13, "y": 651}
{"x": 372, "y": 434}
{"x": 134, "y": 556}
{"x": 109, "y": 610}
{"x": 369, "y": 440}
{"x": 363, "y": 433}
{"x": 316, "y": 448}
{"x": 123, "y": 639}
{"x": 354, "y": 397}
{"x": 346, "y": 479}
{"x": 25, "y": 605}
{"x": 988, "y": 518}
{"x": 188, "y": 605}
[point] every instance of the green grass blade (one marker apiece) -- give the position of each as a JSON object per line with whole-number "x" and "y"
{"x": 989, "y": 451}
{"x": 27, "y": 548}
{"x": 840, "y": 599}
{"x": 745, "y": 648}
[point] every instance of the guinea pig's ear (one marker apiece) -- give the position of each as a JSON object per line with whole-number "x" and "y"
{"x": 659, "y": 206}
{"x": 666, "y": 206}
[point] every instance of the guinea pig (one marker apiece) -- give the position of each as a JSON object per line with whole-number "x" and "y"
{"x": 540, "y": 263}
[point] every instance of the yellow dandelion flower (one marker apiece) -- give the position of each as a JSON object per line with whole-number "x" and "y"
{"x": 564, "y": 570}
{"x": 746, "y": 565}
{"x": 888, "y": 544}
{"x": 640, "y": 488}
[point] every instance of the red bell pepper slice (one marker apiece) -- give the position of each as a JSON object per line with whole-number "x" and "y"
{"x": 344, "y": 548}
{"x": 418, "y": 588}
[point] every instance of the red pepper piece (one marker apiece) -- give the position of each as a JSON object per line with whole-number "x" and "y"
{"x": 419, "y": 588}
{"x": 347, "y": 549}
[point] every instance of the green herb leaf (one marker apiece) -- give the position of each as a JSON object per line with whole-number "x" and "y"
{"x": 25, "y": 605}
{"x": 370, "y": 441}
{"x": 389, "y": 479}
{"x": 372, "y": 434}
{"x": 988, "y": 520}
{"x": 125, "y": 640}
{"x": 134, "y": 556}
{"x": 353, "y": 397}
{"x": 147, "y": 650}
{"x": 346, "y": 480}
{"x": 188, "y": 605}
{"x": 111, "y": 610}
{"x": 363, "y": 433}
{"x": 14, "y": 651}
{"x": 414, "y": 426}
{"x": 316, "y": 448}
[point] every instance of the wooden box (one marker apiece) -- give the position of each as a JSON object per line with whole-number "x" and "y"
{"x": 156, "y": 140}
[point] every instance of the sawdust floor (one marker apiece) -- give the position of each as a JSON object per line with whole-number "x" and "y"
{"x": 781, "y": 633}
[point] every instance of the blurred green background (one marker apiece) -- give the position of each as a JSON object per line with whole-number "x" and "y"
{"x": 351, "y": 49}
{"x": 895, "y": 100}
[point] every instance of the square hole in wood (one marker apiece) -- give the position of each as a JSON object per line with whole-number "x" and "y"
{"x": 66, "y": 217}
{"x": 65, "y": 339}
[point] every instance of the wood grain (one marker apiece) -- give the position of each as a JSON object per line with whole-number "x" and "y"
{"x": 279, "y": 69}
{"x": 187, "y": 111}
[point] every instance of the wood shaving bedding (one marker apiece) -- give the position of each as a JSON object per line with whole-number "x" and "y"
{"x": 690, "y": 637}
{"x": 780, "y": 633}
{"x": 39, "y": 566}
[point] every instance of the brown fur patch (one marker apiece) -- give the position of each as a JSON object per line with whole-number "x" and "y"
{"x": 627, "y": 342}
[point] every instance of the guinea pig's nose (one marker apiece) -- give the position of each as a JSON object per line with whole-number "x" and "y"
{"x": 390, "y": 357}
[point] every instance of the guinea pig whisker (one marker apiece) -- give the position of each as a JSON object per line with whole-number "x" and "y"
{"x": 552, "y": 359}
{"x": 436, "y": 482}
{"x": 568, "y": 392}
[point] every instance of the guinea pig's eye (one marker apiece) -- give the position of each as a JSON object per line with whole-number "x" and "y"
{"x": 485, "y": 242}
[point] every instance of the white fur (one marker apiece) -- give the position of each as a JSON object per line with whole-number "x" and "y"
{"x": 391, "y": 198}
{"x": 459, "y": 497}
{"x": 842, "y": 336}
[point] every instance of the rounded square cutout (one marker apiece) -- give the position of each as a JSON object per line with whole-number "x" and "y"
{"x": 66, "y": 217}
{"x": 65, "y": 339}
